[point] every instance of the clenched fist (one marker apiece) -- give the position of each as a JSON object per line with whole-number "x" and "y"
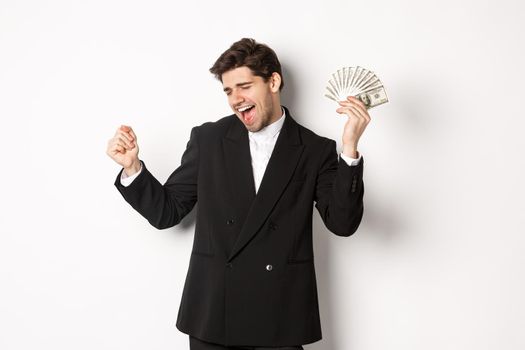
{"x": 124, "y": 150}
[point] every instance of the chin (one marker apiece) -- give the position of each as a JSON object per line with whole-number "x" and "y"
{"x": 253, "y": 128}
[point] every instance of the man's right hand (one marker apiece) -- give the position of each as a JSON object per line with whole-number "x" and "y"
{"x": 124, "y": 150}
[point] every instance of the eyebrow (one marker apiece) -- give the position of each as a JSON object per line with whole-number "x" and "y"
{"x": 238, "y": 84}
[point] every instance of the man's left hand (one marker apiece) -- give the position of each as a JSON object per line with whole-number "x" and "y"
{"x": 358, "y": 119}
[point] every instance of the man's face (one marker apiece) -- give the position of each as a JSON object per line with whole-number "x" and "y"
{"x": 254, "y": 101}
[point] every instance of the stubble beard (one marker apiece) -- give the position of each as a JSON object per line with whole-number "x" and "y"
{"x": 266, "y": 116}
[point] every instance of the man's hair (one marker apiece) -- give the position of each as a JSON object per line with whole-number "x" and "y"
{"x": 260, "y": 58}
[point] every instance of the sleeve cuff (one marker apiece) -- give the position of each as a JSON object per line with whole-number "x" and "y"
{"x": 126, "y": 180}
{"x": 351, "y": 161}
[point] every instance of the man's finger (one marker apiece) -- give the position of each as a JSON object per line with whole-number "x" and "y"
{"x": 357, "y": 104}
{"x": 128, "y": 131}
{"x": 133, "y": 134}
{"x": 348, "y": 111}
{"x": 359, "y": 111}
{"x": 116, "y": 148}
{"x": 119, "y": 141}
{"x": 355, "y": 99}
{"x": 354, "y": 110}
{"x": 125, "y": 142}
{"x": 126, "y": 135}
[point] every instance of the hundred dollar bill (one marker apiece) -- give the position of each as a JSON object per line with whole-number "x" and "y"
{"x": 374, "y": 97}
{"x": 359, "y": 82}
{"x": 371, "y": 98}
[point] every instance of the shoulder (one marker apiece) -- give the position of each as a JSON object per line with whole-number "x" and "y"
{"x": 214, "y": 128}
{"x": 311, "y": 138}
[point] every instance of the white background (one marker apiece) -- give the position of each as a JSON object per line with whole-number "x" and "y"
{"x": 437, "y": 262}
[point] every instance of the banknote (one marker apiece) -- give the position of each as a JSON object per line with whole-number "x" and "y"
{"x": 359, "y": 82}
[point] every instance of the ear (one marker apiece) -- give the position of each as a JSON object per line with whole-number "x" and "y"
{"x": 275, "y": 82}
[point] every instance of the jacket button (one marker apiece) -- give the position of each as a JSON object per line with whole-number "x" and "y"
{"x": 273, "y": 226}
{"x": 229, "y": 265}
{"x": 230, "y": 222}
{"x": 269, "y": 267}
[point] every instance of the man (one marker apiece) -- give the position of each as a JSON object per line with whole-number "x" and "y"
{"x": 251, "y": 280}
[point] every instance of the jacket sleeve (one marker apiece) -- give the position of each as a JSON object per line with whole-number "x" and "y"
{"x": 339, "y": 192}
{"x": 166, "y": 205}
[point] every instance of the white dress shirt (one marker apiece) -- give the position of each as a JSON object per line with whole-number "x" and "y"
{"x": 262, "y": 143}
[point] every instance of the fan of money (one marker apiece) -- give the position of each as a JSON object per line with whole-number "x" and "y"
{"x": 359, "y": 82}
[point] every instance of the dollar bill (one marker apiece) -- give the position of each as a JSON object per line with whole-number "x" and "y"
{"x": 373, "y": 97}
{"x": 359, "y": 82}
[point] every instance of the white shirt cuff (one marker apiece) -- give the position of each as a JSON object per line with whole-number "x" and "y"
{"x": 351, "y": 161}
{"x": 126, "y": 180}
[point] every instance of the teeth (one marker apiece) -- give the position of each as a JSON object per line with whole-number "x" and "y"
{"x": 242, "y": 109}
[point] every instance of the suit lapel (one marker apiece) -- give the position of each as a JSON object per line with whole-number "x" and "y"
{"x": 282, "y": 163}
{"x": 236, "y": 147}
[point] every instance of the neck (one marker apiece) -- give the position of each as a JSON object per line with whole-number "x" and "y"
{"x": 277, "y": 112}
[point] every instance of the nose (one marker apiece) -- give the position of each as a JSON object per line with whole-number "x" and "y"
{"x": 236, "y": 98}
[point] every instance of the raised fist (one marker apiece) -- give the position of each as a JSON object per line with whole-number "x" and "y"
{"x": 124, "y": 150}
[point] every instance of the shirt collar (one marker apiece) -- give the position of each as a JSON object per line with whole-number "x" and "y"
{"x": 269, "y": 130}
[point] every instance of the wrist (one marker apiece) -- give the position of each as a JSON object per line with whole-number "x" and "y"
{"x": 350, "y": 150}
{"x": 133, "y": 168}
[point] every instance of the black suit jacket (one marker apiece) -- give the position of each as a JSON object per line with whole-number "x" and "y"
{"x": 251, "y": 277}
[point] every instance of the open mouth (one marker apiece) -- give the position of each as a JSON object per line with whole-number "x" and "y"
{"x": 247, "y": 113}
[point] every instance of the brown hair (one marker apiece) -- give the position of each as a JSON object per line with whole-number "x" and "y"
{"x": 260, "y": 58}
